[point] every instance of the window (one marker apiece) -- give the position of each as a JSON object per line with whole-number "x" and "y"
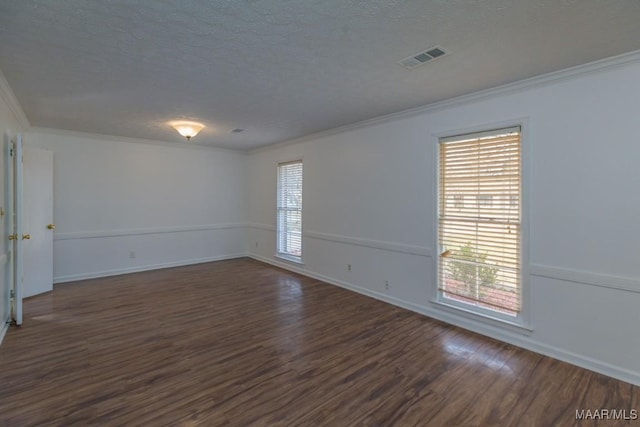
{"x": 485, "y": 200}
{"x": 458, "y": 201}
{"x": 479, "y": 264}
{"x": 289, "y": 206}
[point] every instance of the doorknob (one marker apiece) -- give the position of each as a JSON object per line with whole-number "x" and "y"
{"x": 13, "y": 237}
{"x": 26, "y": 236}
{"x": 51, "y": 226}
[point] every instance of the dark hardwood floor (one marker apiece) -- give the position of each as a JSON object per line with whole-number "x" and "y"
{"x": 242, "y": 343}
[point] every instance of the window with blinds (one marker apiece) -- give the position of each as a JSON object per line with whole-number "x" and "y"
{"x": 479, "y": 221}
{"x": 289, "y": 206}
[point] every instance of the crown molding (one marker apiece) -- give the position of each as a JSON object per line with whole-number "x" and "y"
{"x": 129, "y": 140}
{"x": 519, "y": 86}
{"x": 7, "y": 95}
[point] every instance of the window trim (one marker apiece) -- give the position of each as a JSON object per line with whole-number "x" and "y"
{"x": 281, "y": 255}
{"x": 522, "y": 321}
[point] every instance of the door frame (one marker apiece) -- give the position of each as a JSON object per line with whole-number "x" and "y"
{"x": 15, "y": 228}
{"x": 7, "y": 245}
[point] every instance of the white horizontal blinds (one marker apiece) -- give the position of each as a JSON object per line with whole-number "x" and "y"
{"x": 479, "y": 219}
{"x": 290, "y": 209}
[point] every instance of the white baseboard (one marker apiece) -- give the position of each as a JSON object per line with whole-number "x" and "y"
{"x": 137, "y": 269}
{"x": 517, "y": 339}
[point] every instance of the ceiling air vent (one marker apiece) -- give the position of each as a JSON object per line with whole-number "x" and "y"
{"x": 423, "y": 57}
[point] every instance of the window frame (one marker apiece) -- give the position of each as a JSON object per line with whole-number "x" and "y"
{"x": 278, "y": 253}
{"x": 522, "y": 321}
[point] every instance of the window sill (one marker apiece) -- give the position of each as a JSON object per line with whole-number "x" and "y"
{"x": 290, "y": 258}
{"x": 516, "y": 325}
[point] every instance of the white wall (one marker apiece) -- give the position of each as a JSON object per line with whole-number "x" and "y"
{"x": 12, "y": 121}
{"x": 369, "y": 201}
{"x": 170, "y": 205}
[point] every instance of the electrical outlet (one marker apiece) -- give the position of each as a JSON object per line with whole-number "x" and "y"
{"x": 132, "y": 254}
{"x": 348, "y": 267}
{"x": 386, "y": 285}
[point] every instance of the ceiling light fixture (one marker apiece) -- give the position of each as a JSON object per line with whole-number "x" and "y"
{"x": 186, "y": 128}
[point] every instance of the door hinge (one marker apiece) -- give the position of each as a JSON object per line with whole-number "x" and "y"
{"x": 11, "y": 152}
{"x": 12, "y": 293}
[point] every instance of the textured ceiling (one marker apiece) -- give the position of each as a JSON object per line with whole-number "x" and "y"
{"x": 282, "y": 69}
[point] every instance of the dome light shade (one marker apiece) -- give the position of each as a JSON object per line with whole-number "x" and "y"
{"x": 186, "y": 128}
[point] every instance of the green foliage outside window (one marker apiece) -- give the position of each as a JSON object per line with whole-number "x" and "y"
{"x": 469, "y": 267}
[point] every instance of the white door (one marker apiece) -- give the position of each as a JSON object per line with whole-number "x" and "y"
{"x": 37, "y": 223}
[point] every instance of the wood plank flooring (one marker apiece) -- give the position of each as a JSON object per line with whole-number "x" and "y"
{"x": 242, "y": 343}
